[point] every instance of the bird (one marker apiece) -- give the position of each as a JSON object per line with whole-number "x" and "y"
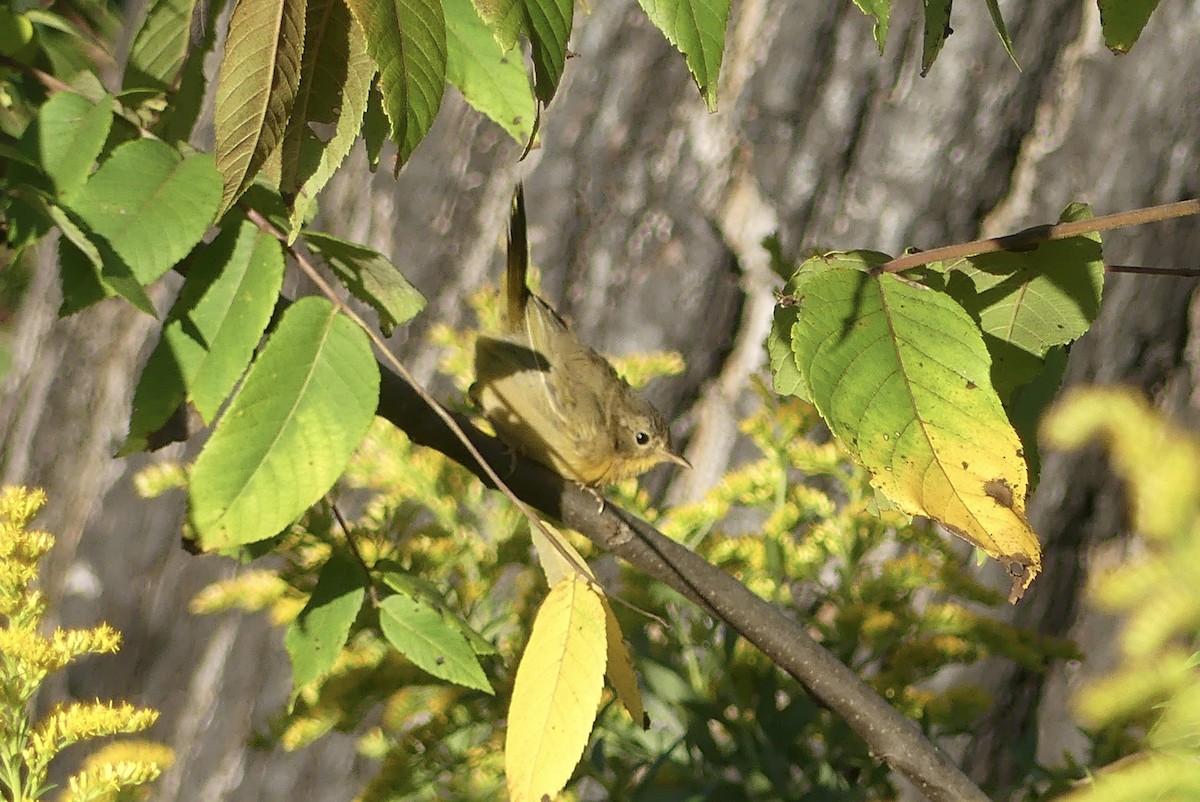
{"x": 554, "y": 399}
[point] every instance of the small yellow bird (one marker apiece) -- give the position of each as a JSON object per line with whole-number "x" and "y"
{"x": 554, "y": 399}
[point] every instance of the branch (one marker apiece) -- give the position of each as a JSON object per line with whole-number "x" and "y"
{"x": 1031, "y": 237}
{"x": 890, "y": 735}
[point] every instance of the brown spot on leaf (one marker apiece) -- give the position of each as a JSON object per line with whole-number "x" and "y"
{"x": 970, "y": 384}
{"x": 1000, "y": 492}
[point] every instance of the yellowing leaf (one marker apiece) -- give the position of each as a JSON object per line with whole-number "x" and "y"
{"x": 557, "y": 692}
{"x": 560, "y": 561}
{"x": 620, "y": 667}
{"x": 902, "y": 376}
{"x": 559, "y": 558}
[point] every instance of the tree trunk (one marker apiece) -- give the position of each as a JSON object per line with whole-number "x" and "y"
{"x": 646, "y": 218}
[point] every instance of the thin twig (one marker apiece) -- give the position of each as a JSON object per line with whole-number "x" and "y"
{"x": 354, "y": 551}
{"x": 44, "y": 78}
{"x": 1154, "y": 271}
{"x": 1031, "y": 237}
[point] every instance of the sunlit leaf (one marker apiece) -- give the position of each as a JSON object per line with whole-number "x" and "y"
{"x": 697, "y": 28}
{"x": 319, "y": 633}
{"x": 305, "y": 405}
{"x": 548, "y": 25}
{"x": 422, "y": 634}
{"x": 1039, "y": 298}
{"x": 492, "y": 80}
{"x": 70, "y": 133}
{"x": 557, "y": 692}
{"x": 880, "y": 11}
{"x": 160, "y": 46}
{"x": 407, "y": 39}
{"x": 370, "y": 277}
{"x": 226, "y": 302}
{"x": 901, "y": 374}
{"x": 92, "y": 270}
{"x": 1002, "y": 30}
{"x": 619, "y": 667}
{"x": 151, "y": 205}
{"x": 937, "y": 28}
{"x": 1123, "y": 21}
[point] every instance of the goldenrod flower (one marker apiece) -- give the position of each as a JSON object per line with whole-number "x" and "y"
{"x": 27, "y": 657}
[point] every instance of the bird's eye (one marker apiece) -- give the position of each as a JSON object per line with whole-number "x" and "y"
{"x": 641, "y": 438}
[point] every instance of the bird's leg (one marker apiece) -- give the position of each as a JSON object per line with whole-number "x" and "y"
{"x": 594, "y": 494}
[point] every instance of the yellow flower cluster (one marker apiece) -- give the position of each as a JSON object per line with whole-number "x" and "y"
{"x": 27, "y": 657}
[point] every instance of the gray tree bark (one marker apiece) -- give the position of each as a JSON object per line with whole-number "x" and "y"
{"x": 646, "y": 217}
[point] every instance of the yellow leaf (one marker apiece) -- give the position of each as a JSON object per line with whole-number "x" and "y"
{"x": 557, "y": 691}
{"x": 620, "y": 667}
{"x": 558, "y": 557}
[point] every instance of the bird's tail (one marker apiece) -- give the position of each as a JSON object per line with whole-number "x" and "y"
{"x": 516, "y": 290}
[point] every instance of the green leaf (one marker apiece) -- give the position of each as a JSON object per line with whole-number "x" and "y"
{"x": 16, "y": 35}
{"x": 260, "y": 73}
{"x": 395, "y": 577}
{"x": 221, "y": 312}
{"x": 1002, "y": 30}
{"x": 160, "y": 46}
{"x": 59, "y": 41}
{"x": 150, "y": 205}
{"x": 80, "y": 277}
{"x": 320, "y": 632}
{"x": 492, "y": 80}
{"x": 505, "y": 18}
{"x": 25, "y": 213}
{"x": 880, "y": 11}
{"x": 224, "y": 313}
{"x": 183, "y": 108}
{"x": 1123, "y": 20}
{"x": 937, "y": 28}
{"x": 697, "y": 29}
{"x": 335, "y": 79}
{"x": 548, "y": 24}
{"x": 787, "y": 376}
{"x": 375, "y": 127}
{"x": 423, "y": 635}
{"x": 370, "y": 277}
{"x": 1030, "y": 403}
{"x": 71, "y": 131}
{"x": 901, "y": 375}
{"x": 160, "y": 391}
{"x": 287, "y": 435}
{"x": 111, "y": 272}
{"x": 407, "y": 39}
{"x": 1037, "y": 299}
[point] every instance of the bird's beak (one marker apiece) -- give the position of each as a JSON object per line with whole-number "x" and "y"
{"x": 671, "y": 456}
